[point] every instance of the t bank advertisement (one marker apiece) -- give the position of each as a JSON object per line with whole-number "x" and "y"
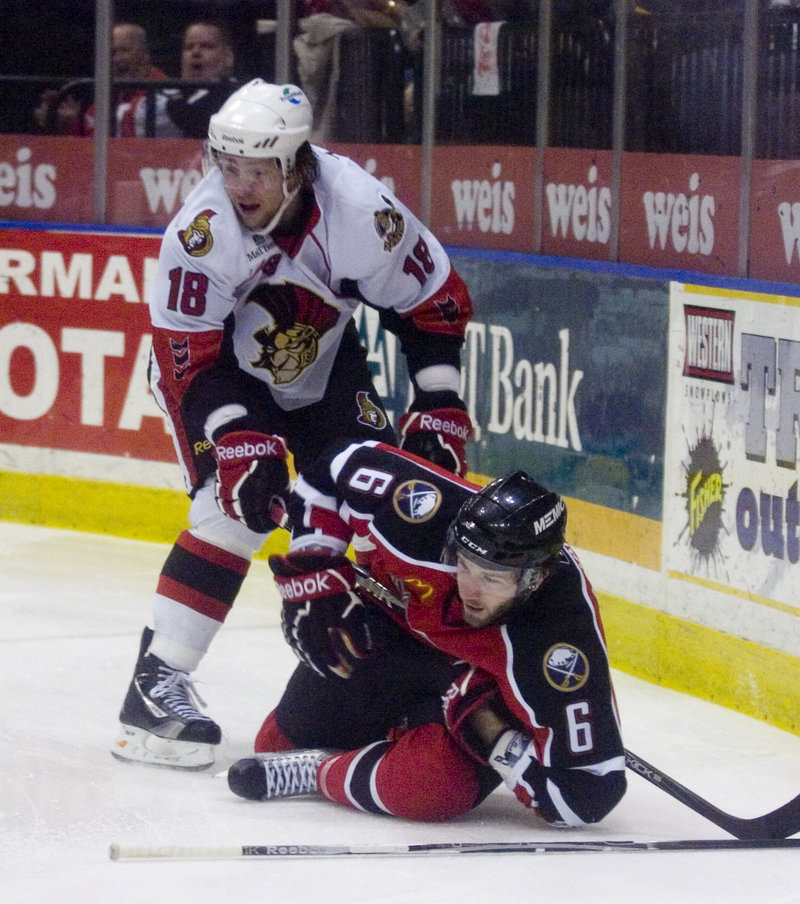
{"x": 730, "y": 475}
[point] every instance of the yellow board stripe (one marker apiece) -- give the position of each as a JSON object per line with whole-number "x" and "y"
{"x": 620, "y": 535}
{"x": 788, "y": 300}
{"x": 139, "y": 513}
{"x": 644, "y": 642}
{"x": 705, "y": 663}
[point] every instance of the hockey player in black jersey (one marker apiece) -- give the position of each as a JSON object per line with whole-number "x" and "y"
{"x": 484, "y": 660}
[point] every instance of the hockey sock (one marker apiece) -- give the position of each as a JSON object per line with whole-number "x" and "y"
{"x": 422, "y": 776}
{"x": 270, "y": 738}
{"x": 196, "y": 589}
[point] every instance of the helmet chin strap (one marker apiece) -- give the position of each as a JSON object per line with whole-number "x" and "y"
{"x": 288, "y": 197}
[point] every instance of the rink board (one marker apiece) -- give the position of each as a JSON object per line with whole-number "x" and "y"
{"x": 625, "y": 392}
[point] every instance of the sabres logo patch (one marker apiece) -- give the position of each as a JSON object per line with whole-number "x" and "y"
{"x": 196, "y": 238}
{"x": 416, "y": 501}
{"x": 566, "y": 668}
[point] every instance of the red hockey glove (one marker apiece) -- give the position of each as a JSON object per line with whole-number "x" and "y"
{"x": 252, "y": 478}
{"x": 439, "y": 435}
{"x": 323, "y": 620}
{"x": 473, "y": 689}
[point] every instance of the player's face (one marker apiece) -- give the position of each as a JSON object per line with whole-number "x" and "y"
{"x": 255, "y": 186}
{"x": 486, "y": 593}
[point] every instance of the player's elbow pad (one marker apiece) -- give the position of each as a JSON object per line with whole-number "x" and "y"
{"x": 576, "y": 797}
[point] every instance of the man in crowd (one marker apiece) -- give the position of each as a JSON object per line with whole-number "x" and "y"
{"x": 475, "y": 654}
{"x": 256, "y": 355}
{"x": 130, "y": 59}
{"x": 207, "y": 54}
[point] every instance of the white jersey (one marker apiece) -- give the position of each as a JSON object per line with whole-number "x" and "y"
{"x": 286, "y": 301}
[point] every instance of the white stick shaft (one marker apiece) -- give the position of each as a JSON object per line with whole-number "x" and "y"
{"x": 238, "y": 852}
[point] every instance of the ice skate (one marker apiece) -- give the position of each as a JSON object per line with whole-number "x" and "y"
{"x": 160, "y": 722}
{"x": 288, "y": 773}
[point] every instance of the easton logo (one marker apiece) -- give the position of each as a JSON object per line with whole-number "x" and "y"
{"x": 709, "y": 344}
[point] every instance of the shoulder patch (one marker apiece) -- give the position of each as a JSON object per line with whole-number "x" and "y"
{"x": 389, "y": 224}
{"x": 566, "y": 668}
{"x": 416, "y": 501}
{"x": 368, "y": 412}
{"x": 196, "y": 238}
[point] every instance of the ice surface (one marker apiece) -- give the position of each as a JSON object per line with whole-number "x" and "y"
{"x": 73, "y": 606}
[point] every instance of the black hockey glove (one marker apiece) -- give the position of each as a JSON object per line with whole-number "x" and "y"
{"x": 324, "y": 621}
{"x": 252, "y": 483}
{"x": 439, "y": 432}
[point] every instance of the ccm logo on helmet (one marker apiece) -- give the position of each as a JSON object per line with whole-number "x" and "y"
{"x": 438, "y": 425}
{"x": 549, "y": 518}
{"x": 471, "y": 544}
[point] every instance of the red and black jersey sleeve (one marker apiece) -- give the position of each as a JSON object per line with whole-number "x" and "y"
{"x": 433, "y": 332}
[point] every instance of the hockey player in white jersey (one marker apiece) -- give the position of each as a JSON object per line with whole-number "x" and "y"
{"x": 255, "y": 355}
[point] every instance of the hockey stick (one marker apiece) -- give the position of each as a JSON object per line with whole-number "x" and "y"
{"x": 779, "y": 823}
{"x": 235, "y": 852}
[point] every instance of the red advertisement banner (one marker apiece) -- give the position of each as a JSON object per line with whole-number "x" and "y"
{"x": 576, "y": 217}
{"x": 149, "y": 179}
{"x": 775, "y": 220}
{"x": 483, "y": 197}
{"x": 681, "y": 212}
{"x": 74, "y": 344}
{"x": 677, "y": 211}
{"x": 46, "y": 179}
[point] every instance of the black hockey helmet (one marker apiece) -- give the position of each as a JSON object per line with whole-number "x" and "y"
{"x": 513, "y": 522}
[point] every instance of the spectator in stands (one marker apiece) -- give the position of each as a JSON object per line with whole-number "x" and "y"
{"x": 321, "y": 24}
{"x": 207, "y": 54}
{"x": 43, "y": 116}
{"x": 130, "y": 59}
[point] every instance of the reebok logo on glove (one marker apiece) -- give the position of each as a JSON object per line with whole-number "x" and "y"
{"x": 268, "y": 448}
{"x": 306, "y": 587}
{"x": 441, "y": 425}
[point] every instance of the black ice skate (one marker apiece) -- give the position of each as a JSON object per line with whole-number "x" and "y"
{"x": 161, "y": 724}
{"x": 288, "y": 773}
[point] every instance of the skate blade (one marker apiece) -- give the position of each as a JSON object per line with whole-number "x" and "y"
{"x": 137, "y": 745}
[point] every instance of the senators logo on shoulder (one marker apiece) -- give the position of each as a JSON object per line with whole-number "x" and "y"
{"x": 196, "y": 238}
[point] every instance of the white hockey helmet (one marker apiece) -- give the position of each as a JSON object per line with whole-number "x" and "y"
{"x": 262, "y": 120}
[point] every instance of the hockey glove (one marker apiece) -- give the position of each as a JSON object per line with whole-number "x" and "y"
{"x": 252, "y": 482}
{"x": 563, "y": 797}
{"x": 323, "y": 620}
{"x": 470, "y": 691}
{"x": 439, "y": 434}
